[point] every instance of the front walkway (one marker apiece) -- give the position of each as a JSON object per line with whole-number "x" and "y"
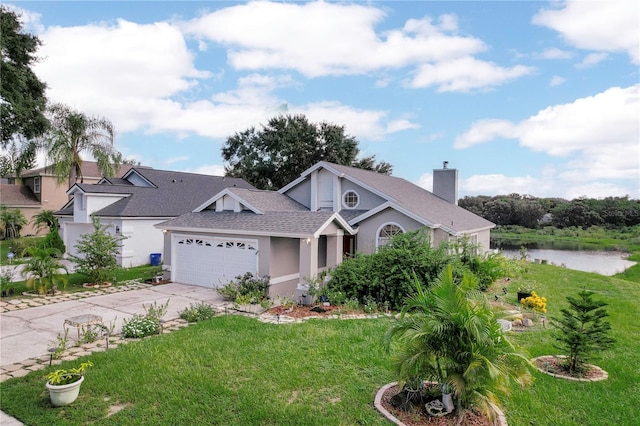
{"x": 29, "y": 326}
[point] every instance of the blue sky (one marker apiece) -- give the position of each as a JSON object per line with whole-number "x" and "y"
{"x": 538, "y": 98}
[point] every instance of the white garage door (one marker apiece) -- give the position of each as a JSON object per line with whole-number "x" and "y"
{"x": 212, "y": 262}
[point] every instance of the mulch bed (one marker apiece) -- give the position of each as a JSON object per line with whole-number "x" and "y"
{"x": 421, "y": 418}
{"x": 308, "y": 311}
{"x": 557, "y": 365}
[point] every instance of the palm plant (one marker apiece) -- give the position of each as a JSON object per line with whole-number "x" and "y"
{"x": 42, "y": 269}
{"x": 11, "y": 221}
{"x": 449, "y": 334}
{"x": 45, "y": 219}
{"x": 73, "y": 133}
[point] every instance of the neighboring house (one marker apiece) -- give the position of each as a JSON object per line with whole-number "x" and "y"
{"x": 309, "y": 225}
{"x": 37, "y": 190}
{"x": 131, "y": 205}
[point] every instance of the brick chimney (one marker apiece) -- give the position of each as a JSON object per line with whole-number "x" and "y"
{"x": 445, "y": 183}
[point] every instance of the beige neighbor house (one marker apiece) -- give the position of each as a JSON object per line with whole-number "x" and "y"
{"x": 37, "y": 190}
{"x": 132, "y": 205}
{"x": 308, "y": 226}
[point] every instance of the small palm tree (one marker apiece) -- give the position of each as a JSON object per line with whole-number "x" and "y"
{"x": 45, "y": 219}
{"x": 42, "y": 269}
{"x": 73, "y": 133}
{"x": 449, "y": 334}
{"x": 11, "y": 221}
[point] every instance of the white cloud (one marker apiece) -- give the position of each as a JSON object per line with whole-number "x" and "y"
{"x": 127, "y": 79}
{"x": 554, "y": 53}
{"x": 494, "y": 184}
{"x": 465, "y": 74}
{"x": 311, "y": 39}
{"x": 606, "y": 26}
{"x": 209, "y": 169}
{"x": 556, "y": 80}
{"x": 176, "y": 159}
{"x": 30, "y": 20}
{"x": 592, "y": 59}
{"x": 598, "y": 135}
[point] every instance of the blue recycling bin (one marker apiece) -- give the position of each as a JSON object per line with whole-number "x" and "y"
{"x": 155, "y": 259}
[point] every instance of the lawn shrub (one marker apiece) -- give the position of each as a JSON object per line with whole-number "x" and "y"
{"x": 382, "y": 276}
{"x": 140, "y": 326}
{"x": 197, "y": 312}
{"x": 53, "y": 240}
{"x": 245, "y": 288}
{"x": 147, "y": 324}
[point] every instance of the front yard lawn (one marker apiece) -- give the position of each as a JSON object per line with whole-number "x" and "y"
{"x": 234, "y": 370}
{"x": 230, "y": 370}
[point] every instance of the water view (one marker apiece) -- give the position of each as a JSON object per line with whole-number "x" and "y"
{"x": 602, "y": 262}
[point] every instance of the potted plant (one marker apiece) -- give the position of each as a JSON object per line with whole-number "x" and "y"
{"x": 64, "y": 385}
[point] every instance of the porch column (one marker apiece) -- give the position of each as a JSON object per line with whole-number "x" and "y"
{"x": 335, "y": 249}
{"x": 308, "y": 258}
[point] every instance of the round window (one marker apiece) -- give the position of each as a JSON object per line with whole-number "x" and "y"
{"x": 350, "y": 199}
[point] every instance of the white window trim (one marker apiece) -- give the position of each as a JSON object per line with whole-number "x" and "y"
{"x": 36, "y": 185}
{"x": 344, "y": 204}
{"x": 380, "y": 229}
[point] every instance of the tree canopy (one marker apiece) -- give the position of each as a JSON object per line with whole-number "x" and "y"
{"x": 73, "y": 133}
{"x": 22, "y": 94}
{"x": 277, "y": 153}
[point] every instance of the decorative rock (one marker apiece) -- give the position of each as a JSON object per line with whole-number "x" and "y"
{"x": 526, "y": 322}
{"x": 517, "y": 323}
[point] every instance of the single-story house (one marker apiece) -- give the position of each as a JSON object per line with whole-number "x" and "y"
{"x": 309, "y": 225}
{"x": 131, "y": 205}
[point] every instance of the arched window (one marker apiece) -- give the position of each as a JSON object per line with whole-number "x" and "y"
{"x": 387, "y": 231}
{"x": 350, "y": 199}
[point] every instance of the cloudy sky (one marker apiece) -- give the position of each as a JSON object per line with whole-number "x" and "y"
{"x": 538, "y": 98}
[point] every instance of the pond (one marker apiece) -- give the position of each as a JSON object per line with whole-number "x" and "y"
{"x": 602, "y": 262}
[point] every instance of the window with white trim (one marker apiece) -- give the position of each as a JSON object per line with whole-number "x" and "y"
{"x": 36, "y": 185}
{"x": 350, "y": 199}
{"x": 386, "y": 232}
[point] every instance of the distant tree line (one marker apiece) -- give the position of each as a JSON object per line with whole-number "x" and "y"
{"x": 532, "y": 212}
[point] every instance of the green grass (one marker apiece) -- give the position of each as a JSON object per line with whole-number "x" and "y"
{"x": 75, "y": 280}
{"x": 230, "y": 370}
{"x": 234, "y": 370}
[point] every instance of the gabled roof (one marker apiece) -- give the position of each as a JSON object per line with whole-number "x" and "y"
{"x": 405, "y": 197}
{"x": 267, "y": 213}
{"x": 257, "y": 200}
{"x": 17, "y": 195}
{"x": 89, "y": 170}
{"x": 172, "y": 194}
{"x": 293, "y": 224}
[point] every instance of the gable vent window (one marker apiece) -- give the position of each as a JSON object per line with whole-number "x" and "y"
{"x": 36, "y": 185}
{"x": 350, "y": 199}
{"x": 387, "y": 232}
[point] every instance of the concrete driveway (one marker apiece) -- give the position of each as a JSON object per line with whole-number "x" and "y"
{"x": 28, "y": 333}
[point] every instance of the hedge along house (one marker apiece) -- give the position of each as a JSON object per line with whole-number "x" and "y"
{"x": 130, "y": 207}
{"x": 309, "y": 225}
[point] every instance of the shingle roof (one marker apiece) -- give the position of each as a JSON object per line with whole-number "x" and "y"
{"x": 414, "y": 199}
{"x": 284, "y": 223}
{"x": 268, "y": 201}
{"x": 175, "y": 193}
{"x": 89, "y": 170}
{"x": 17, "y": 195}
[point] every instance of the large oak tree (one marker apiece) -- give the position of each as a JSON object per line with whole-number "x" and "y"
{"x": 277, "y": 153}
{"x": 22, "y": 94}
